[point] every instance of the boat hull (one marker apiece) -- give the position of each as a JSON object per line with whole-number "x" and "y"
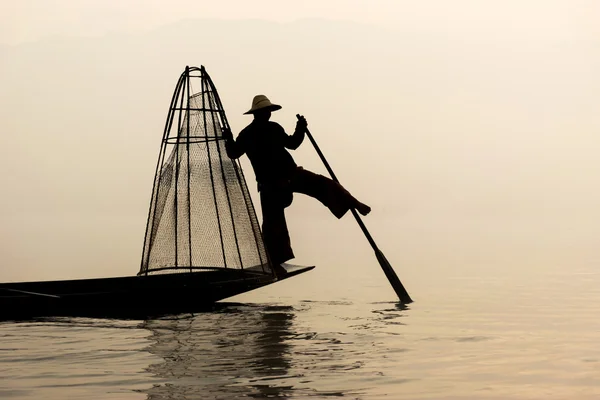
{"x": 131, "y": 297}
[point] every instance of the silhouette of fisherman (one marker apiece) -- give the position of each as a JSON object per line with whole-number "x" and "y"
{"x": 266, "y": 143}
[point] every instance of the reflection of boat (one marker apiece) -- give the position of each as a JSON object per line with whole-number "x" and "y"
{"x": 239, "y": 351}
{"x": 203, "y": 242}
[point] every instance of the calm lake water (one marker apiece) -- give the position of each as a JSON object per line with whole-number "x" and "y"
{"x": 511, "y": 334}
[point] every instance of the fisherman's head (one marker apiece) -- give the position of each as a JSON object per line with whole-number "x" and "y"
{"x": 262, "y": 108}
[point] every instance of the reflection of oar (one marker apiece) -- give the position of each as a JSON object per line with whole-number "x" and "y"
{"x": 32, "y": 293}
{"x": 385, "y": 265}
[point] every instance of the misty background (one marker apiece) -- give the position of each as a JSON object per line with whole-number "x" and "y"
{"x": 471, "y": 129}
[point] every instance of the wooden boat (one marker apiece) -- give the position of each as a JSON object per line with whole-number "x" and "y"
{"x": 203, "y": 241}
{"x": 133, "y": 296}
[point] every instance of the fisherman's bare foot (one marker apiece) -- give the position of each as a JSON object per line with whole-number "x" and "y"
{"x": 363, "y": 208}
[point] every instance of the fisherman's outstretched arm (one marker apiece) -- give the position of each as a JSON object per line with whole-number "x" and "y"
{"x": 233, "y": 147}
{"x": 294, "y": 141}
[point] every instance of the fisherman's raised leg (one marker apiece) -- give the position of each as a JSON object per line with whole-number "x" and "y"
{"x": 329, "y": 192}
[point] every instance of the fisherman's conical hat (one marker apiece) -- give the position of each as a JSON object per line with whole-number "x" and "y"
{"x": 261, "y": 102}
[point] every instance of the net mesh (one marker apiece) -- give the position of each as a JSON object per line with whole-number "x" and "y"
{"x": 201, "y": 214}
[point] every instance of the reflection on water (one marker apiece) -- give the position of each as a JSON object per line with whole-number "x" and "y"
{"x": 313, "y": 349}
{"x": 258, "y": 351}
{"x": 235, "y": 351}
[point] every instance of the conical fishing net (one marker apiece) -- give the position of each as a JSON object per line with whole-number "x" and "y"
{"x": 201, "y": 215}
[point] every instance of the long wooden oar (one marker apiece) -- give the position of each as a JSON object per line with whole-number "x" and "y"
{"x": 385, "y": 265}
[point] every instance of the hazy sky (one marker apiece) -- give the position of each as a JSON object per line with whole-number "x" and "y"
{"x": 34, "y": 19}
{"x": 471, "y": 127}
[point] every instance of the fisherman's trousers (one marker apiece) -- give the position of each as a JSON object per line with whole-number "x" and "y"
{"x": 275, "y": 197}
